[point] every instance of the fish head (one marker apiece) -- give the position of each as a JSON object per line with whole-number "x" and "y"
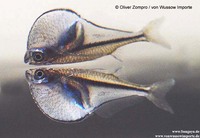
{"x": 40, "y": 56}
{"x": 56, "y": 100}
{"x": 49, "y": 34}
{"x": 42, "y": 75}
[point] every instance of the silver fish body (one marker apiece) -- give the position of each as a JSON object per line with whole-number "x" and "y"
{"x": 69, "y": 95}
{"x": 61, "y": 36}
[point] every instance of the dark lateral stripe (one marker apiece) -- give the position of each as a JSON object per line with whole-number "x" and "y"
{"x": 108, "y": 42}
{"x": 109, "y": 85}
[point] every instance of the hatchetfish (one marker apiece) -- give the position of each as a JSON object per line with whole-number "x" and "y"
{"x": 70, "y": 95}
{"x": 61, "y": 36}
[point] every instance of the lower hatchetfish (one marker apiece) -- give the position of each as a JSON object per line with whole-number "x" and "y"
{"x": 61, "y": 36}
{"x": 70, "y": 95}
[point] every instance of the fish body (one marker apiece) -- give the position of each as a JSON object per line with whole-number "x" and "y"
{"x": 73, "y": 94}
{"x": 62, "y": 36}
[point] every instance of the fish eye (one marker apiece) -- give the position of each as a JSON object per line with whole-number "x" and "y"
{"x": 39, "y": 74}
{"x": 38, "y": 56}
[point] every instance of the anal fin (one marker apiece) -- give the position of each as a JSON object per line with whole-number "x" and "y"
{"x": 111, "y": 108}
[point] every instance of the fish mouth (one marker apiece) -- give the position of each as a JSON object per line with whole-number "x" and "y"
{"x": 28, "y": 75}
{"x": 26, "y": 57}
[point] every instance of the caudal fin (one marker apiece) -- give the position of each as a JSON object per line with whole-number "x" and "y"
{"x": 152, "y": 34}
{"x": 158, "y": 92}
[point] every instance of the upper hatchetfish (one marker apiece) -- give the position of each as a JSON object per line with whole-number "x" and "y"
{"x": 61, "y": 36}
{"x": 70, "y": 95}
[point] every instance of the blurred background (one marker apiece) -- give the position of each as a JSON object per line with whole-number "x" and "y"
{"x": 142, "y": 63}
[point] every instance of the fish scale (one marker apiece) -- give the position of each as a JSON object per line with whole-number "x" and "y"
{"x": 98, "y": 77}
{"x": 94, "y": 52}
{"x": 110, "y": 46}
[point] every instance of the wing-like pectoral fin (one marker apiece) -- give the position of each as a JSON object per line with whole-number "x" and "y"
{"x": 78, "y": 91}
{"x": 79, "y": 35}
{"x": 72, "y": 38}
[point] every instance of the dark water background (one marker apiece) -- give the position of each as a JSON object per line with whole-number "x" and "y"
{"x": 21, "y": 118}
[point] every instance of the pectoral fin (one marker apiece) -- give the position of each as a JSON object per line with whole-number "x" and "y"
{"x": 72, "y": 38}
{"x": 79, "y": 93}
